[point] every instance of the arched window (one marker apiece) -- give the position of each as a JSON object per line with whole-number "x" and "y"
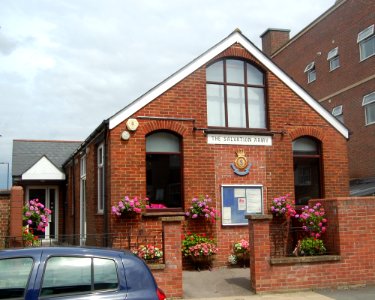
{"x": 235, "y": 95}
{"x": 307, "y": 169}
{"x": 163, "y": 170}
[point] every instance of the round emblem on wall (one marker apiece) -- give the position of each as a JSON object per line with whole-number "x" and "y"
{"x": 125, "y": 135}
{"x": 132, "y": 124}
{"x": 241, "y": 166}
{"x": 241, "y": 162}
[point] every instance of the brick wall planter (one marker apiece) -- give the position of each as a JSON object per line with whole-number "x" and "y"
{"x": 351, "y": 221}
{"x": 304, "y": 259}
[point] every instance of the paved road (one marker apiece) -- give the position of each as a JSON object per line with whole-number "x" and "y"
{"x": 234, "y": 284}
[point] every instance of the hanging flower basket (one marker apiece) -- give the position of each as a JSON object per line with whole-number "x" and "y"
{"x": 128, "y": 208}
{"x": 201, "y": 208}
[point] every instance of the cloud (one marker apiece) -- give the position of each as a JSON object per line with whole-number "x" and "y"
{"x": 7, "y": 44}
{"x": 66, "y": 65}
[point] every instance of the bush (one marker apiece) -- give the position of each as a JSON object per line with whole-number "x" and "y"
{"x": 312, "y": 246}
{"x": 194, "y": 244}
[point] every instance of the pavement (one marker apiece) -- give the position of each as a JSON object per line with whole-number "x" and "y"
{"x": 234, "y": 284}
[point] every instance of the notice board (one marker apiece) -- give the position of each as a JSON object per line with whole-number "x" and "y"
{"x": 238, "y": 200}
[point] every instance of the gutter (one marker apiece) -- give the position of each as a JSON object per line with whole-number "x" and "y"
{"x": 101, "y": 128}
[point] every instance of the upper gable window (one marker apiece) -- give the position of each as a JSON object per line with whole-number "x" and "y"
{"x": 235, "y": 95}
{"x": 366, "y": 41}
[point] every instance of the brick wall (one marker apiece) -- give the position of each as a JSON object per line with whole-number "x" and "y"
{"x": 169, "y": 278}
{"x": 345, "y": 85}
{"x": 207, "y": 167}
{"x": 16, "y": 207}
{"x": 354, "y": 239}
{"x": 4, "y": 212}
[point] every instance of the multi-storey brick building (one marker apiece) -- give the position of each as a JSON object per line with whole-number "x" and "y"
{"x": 333, "y": 58}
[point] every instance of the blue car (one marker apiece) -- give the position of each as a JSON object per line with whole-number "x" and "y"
{"x": 75, "y": 273}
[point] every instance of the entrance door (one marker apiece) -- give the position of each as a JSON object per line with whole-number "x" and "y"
{"x": 48, "y": 196}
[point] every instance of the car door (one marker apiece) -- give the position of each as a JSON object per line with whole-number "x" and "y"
{"x": 80, "y": 277}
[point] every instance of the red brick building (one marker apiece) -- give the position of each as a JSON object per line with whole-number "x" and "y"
{"x": 230, "y": 124}
{"x": 333, "y": 59}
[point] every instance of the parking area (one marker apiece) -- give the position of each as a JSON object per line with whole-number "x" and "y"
{"x": 217, "y": 283}
{"x": 234, "y": 284}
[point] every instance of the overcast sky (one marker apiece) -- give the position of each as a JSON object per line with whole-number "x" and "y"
{"x": 65, "y": 66}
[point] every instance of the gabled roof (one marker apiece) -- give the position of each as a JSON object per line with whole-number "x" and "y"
{"x": 43, "y": 169}
{"x": 234, "y": 37}
{"x": 27, "y": 153}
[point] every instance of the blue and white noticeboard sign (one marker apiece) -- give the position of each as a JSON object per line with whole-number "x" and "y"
{"x": 238, "y": 200}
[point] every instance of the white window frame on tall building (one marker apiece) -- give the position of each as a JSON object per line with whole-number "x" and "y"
{"x": 337, "y": 112}
{"x": 333, "y": 59}
{"x": 311, "y": 72}
{"x": 369, "y": 105}
{"x": 366, "y": 42}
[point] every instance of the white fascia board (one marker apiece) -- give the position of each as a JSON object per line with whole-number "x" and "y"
{"x": 235, "y": 37}
{"x": 170, "y": 82}
{"x": 43, "y": 169}
{"x": 295, "y": 88}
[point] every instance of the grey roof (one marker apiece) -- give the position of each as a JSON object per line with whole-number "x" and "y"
{"x": 27, "y": 152}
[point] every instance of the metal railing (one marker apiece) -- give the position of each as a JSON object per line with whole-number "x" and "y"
{"x": 118, "y": 240}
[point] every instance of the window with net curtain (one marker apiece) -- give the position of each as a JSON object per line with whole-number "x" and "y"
{"x": 163, "y": 170}
{"x": 235, "y": 95}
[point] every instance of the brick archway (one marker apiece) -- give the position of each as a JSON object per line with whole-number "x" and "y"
{"x": 317, "y": 133}
{"x": 169, "y": 125}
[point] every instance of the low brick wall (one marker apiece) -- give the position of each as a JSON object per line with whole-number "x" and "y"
{"x": 354, "y": 264}
{"x": 4, "y": 212}
{"x": 169, "y": 277}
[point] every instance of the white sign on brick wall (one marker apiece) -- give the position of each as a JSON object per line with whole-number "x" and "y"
{"x": 235, "y": 139}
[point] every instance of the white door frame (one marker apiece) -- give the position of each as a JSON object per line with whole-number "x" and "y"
{"x": 55, "y": 212}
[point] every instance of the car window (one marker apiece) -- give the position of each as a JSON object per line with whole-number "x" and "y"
{"x": 14, "y": 275}
{"x": 67, "y": 275}
{"x": 105, "y": 274}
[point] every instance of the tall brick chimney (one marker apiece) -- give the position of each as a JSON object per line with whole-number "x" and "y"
{"x": 273, "y": 39}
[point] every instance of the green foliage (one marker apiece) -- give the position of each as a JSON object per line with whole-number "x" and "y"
{"x": 312, "y": 246}
{"x": 194, "y": 244}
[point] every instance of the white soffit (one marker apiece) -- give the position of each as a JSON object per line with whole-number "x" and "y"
{"x": 235, "y": 37}
{"x": 43, "y": 169}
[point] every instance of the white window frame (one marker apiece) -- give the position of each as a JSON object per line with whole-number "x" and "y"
{"x": 82, "y": 203}
{"x": 369, "y": 101}
{"x": 337, "y": 112}
{"x": 100, "y": 164}
{"x": 333, "y": 58}
{"x": 363, "y": 37}
{"x": 311, "y": 72}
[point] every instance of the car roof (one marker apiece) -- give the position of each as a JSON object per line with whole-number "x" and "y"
{"x": 95, "y": 251}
